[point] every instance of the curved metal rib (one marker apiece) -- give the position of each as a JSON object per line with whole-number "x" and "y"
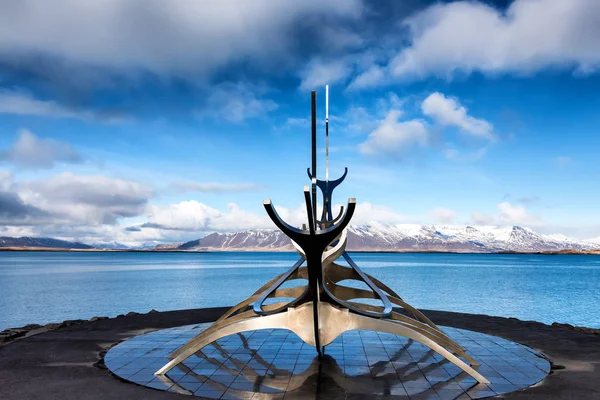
{"x": 332, "y": 290}
{"x": 259, "y": 303}
{"x": 300, "y": 273}
{"x": 323, "y": 223}
{"x": 387, "y": 305}
{"x": 380, "y": 325}
{"x": 269, "y": 322}
{"x": 327, "y": 188}
{"x": 287, "y": 229}
{"x": 338, "y": 322}
{"x": 327, "y": 235}
{"x": 334, "y": 182}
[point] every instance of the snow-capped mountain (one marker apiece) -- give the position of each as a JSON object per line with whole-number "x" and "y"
{"x": 123, "y": 246}
{"x": 111, "y": 246}
{"x": 402, "y": 237}
{"x": 457, "y": 238}
{"x": 256, "y": 239}
{"x": 372, "y": 237}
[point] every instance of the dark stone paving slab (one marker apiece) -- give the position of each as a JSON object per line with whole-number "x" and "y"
{"x": 270, "y": 364}
{"x": 68, "y": 364}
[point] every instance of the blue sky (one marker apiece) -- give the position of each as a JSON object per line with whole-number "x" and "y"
{"x": 162, "y": 121}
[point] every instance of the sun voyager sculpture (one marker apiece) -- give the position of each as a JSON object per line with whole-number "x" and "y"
{"x": 323, "y": 309}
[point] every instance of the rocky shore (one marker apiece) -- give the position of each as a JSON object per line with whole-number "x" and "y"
{"x": 11, "y": 334}
{"x": 583, "y": 329}
{"x": 65, "y": 360}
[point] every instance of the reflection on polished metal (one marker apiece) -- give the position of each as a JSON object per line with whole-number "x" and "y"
{"x": 323, "y": 309}
{"x": 275, "y": 364}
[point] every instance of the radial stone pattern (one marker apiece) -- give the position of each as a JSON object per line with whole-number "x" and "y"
{"x": 277, "y": 364}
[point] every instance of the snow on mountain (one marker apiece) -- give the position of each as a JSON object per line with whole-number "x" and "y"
{"x": 111, "y": 245}
{"x": 256, "y": 239}
{"x": 374, "y": 236}
{"x": 593, "y": 241}
{"x": 403, "y": 237}
{"x": 123, "y": 246}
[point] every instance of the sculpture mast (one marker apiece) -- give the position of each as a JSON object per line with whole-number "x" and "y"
{"x": 326, "y": 148}
{"x": 314, "y": 156}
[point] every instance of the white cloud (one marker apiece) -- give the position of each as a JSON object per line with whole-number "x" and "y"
{"x": 31, "y": 152}
{"x": 393, "y": 136}
{"x": 367, "y": 212}
{"x": 237, "y": 102}
{"x": 508, "y": 214}
{"x": 6, "y": 179}
{"x": 86, "y": 199}
{"x": 293, "y": 216}
{"x": 389, "y": 135}
{"x": 443, "y": 215}
{"x": 364, "y": 213}
{"x": 448, "y": 111}
{"x": 517, "y": 215}
{"x": 214, "y": 187}
{"x": 454, "y": 154}
{"x": 359, "y": 121}
{"x": 19, "y": 103}
{"x": 195, "y": 216}
{"x": 372, "y": 77}
{"x": 13, "y": 210}
{"x": 480, "y": 218}
{"x": 161, "y": 36}
{"x": 319, "y": 73}
{"x": 467, "y": 36}
{"x": 338, "y": 38}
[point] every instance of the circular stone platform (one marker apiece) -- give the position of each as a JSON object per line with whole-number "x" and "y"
{"x": 276, "y": 364}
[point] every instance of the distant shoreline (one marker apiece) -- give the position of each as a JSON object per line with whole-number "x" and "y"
{"x": 67, "y": 250}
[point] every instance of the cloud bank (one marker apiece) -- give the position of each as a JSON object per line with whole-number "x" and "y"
{"x": 31, "y": 152}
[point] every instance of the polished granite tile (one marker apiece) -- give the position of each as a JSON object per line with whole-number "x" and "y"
{"x": 276, "y": 364}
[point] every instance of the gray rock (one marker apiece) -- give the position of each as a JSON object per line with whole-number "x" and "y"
{"x": 583, "y": 329}
{"x": 71, "y": 322}
{"x": 94, "y": 319}
{"x": 32, "y": 327}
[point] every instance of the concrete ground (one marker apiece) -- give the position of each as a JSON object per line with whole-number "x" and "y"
{"x": 67, "y": 363}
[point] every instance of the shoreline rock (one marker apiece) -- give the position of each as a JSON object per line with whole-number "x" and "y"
{"x": 583, "y": 329}
{"x": 11, "y": 334}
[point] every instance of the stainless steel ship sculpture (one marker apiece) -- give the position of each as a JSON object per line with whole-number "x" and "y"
{"x": 323, "y": 309}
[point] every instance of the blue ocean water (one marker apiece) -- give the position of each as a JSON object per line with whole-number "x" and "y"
{"x": 41, "y": 287}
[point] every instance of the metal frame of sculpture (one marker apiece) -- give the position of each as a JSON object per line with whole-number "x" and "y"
{"x": 323, "y": 309}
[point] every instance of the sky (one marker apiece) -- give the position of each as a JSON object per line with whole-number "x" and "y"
{"x": 162, "y": 121}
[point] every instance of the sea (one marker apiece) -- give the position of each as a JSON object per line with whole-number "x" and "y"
{"x": 44, "y": 287}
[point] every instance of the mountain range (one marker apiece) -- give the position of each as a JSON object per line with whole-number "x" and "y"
{"x": 372, "y": 237}
{"x": 47, "y": 243}
{"x": 403, "y": 237}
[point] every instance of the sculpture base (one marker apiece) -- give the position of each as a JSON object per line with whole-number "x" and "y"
{"x": 277, "y": 363}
